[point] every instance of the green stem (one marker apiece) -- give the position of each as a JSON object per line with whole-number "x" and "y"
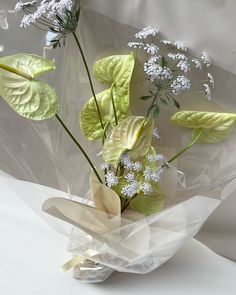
{"x": 16, "y": 71}
{"x": 113, "y": 104}
{"x": 79, "y": 146}
{"x": 187, "y": 147}
{"x": 89, "y": 77}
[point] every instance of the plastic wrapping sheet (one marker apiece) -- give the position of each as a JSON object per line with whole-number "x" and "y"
{"x": 44, "y": 163}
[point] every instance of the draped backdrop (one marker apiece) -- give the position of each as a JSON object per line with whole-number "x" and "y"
{"x": 105, "y": 27}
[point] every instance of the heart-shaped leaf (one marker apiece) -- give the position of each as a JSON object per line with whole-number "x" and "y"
{"x": 132, "y": 134}
{"x": 117, "y": 70}
{"x": 148, "y": 205}
{"x": 30, "y": 98}
{"x": 215, "y": 127}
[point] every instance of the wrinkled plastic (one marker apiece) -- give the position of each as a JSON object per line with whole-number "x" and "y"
{"x": 43, "y": 162}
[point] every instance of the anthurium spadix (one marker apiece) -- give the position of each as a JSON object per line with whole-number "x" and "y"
{"x": 215, "y": 127}
{"x": 19, "y": 87}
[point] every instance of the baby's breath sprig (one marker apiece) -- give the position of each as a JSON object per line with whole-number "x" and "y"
{"x": 168, "y": 67}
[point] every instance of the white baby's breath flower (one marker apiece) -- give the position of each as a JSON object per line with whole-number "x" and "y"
{"x": 172, "y": 55}
{"x": 111, "y": 179}
{"x": 180, "y": 84}
{"x": 104, "y": 166}
{"x": 155, "y": 158}
{"x": 211, "y": 79}
{"x": 184, "y": 66}
{"x": 181, "y": 56}
{"x": 157, "y": 175}
{"x": 130, "y": 189}
{"x": 137, "y": 166}
{"x": 180, "y": 45}
{"x": 207, "y": 90}
{"x": 155, "y": 133}
{"x": 166, "y": 42}
{"x": 147, "y": 173}
{"x": 130, "y": 177}
{"x": 136, "y": 44}
{"x": 126, "y": 161}
{"x": 146, "y": 188}
{"x": 145, "y": 32}
{"x": 197, "y": 63}
{"x": 156, "y": 72}
{"x": 206, "y": 58}
{"x": 154, "y": 58}
{"x": 151, "y": 49}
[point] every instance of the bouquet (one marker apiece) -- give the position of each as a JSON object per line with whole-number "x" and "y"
{"x": 141, "y": 206}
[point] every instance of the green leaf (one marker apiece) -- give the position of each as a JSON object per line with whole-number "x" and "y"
{"x": 132, "y": 134}
{"x": 30, "y": 98}
{"x": 156, "y": 111}
{"x": 176, "y": 103}
{"x": 163, "y": 101}
{"x": 117, "y": 70}
{"x": 216, "y": 126}
{"x": 148, "y": 204}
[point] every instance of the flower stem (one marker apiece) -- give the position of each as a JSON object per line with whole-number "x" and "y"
{"x": 89, "y": 77}
{"x": 80, "y": 147}
{"x": 187, "y": 147}
{"x": 113, "y": 104}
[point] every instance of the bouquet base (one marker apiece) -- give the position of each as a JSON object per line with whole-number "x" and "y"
{"x": 89, "y": 271}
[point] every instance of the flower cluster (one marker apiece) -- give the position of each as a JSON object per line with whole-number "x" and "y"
{"x": 168, "y": 67}
{"x": 137, "y": 176}
{"x": 58, "y": 16}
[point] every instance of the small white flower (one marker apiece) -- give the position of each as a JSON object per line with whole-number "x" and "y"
{"x": 180, "y": 45}
{"x": 146, "y": 188}
{"x": 130, "y": 177}
{"x": 126, "y": 161}
{"x": 155, "y": 133}
{"x": 104, "y": 166}
{"x": 155, "y": 158}
{"x": 156, "y": 176}
{"x": 137, "y": 166}
{"x": 130, "y": 190}
{"x": 156, "y": 72}
{"x": 207, "y": 90}
{"x": 184, "y": 66}
{"x": 151, "y": 49}
{"x": 172, "y": 55}
{"x": 181, "y": 56}
{"x": 154, "y": 59}
{"x": 180, "y": 84}
{"x": 166, "y": 42}
{"x": 147, "y": 173}
{"x": 206, "y": 59}
{"x": 211, "y": 79}
{"x": 197, "y": 63}
{"x": 135, "y": 44}
{"x": 111, "y": 179}
{"x": 145, "y": 32}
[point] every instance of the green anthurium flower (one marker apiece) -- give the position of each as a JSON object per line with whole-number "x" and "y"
{"x": 149, "y": 204}
{"x": 132, "y": 134}
{"x": 29, "y": 97}
{"x": 215, "y": 127}
{"x": 116, "y": 70}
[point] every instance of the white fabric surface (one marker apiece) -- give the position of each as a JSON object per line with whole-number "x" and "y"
{"x": 31, "y": 253}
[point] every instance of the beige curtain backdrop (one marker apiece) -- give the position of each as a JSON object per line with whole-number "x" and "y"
{"x": 107, "y": 25}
